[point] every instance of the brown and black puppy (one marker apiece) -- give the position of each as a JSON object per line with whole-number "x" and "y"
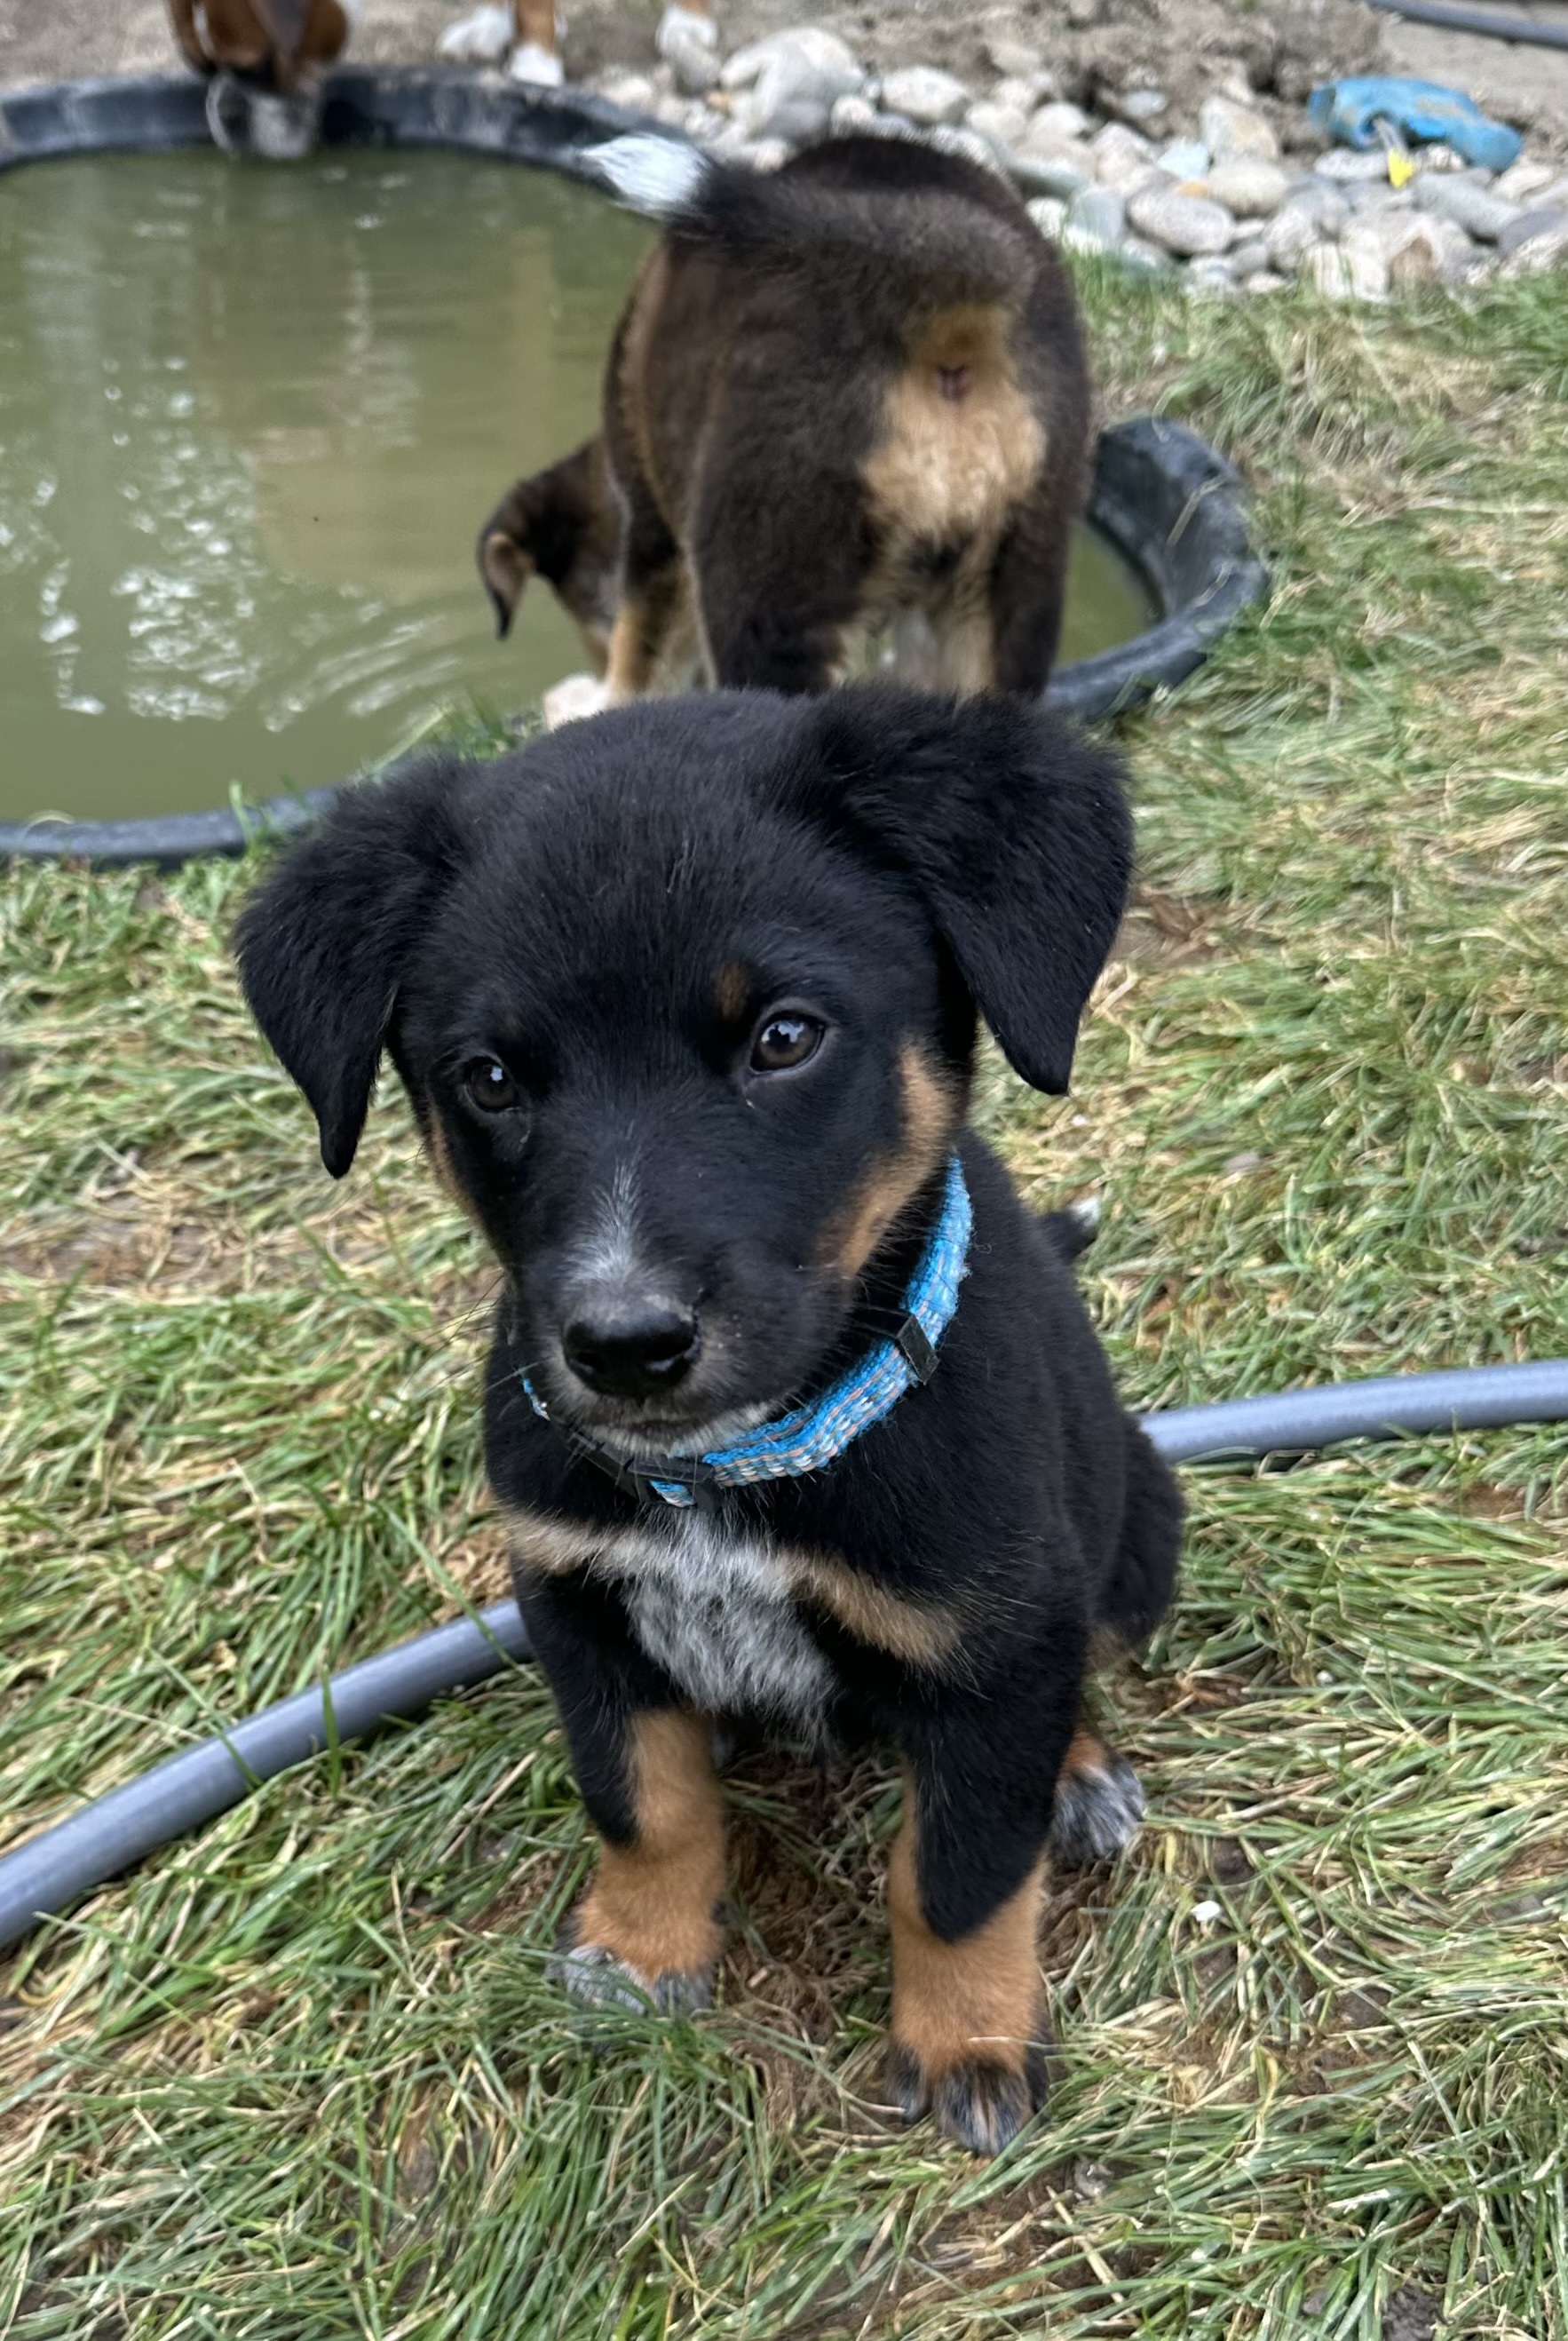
{"x": 267, "y": 63}
{"x": 793, "y": 1411}
{"x": 846, "y": 400}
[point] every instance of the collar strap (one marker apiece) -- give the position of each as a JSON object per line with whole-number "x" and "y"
{"x": 811, "y": 1436}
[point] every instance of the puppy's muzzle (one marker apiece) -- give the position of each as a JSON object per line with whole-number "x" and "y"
{"x": 633, "y": 1345}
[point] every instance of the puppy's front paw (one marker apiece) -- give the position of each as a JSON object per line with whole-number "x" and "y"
{"x": 1099, "y": 1811}
{"x": 483, "y": 38}
{"x": 983, "y": 2101}
{"x": 593, "y": 1978}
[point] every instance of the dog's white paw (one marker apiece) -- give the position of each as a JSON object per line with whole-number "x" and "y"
{"x": 575, "y": 696}
{"x": 530, "y": 63}
{"x": 483, "y": 38}
{"x": 1097, "y": 1814}
{"x": 593, "y": 1978}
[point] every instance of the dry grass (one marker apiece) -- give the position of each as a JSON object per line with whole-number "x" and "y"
{"x": 304, "y": 2074}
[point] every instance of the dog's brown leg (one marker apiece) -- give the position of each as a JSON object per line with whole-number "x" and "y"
{"x": 1099, "y": 1804}
{"x": 535, "y": 21}
{"x": 1028, "y": 592}
{"x": 650, "y": 1919}
{"x": 967, "y": 2012}
{"x": 652, "y": 596}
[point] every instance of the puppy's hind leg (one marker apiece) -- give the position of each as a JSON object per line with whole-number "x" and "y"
{"x": 1100, "y": 1801}
{"x": 652, "y": 598}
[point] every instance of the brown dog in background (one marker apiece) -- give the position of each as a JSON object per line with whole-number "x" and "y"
{"x": 845, "y": 399}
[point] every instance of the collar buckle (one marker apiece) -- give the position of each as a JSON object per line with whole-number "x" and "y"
{"x": 914, "y": 1345}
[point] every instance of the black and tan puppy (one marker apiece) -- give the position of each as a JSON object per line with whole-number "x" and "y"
{"x": 846, "y": 399}
{"x": 793, "y": 1411}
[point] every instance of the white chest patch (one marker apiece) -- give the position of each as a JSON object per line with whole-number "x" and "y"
{"x": 715, "y": 1612}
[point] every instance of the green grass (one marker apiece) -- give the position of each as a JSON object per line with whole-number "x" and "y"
{"x": 306, "y": 2074}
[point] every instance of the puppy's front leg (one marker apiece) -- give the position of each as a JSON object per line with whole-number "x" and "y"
{"x": 964, "y": 1884}
{"x": 647, "y": 1927}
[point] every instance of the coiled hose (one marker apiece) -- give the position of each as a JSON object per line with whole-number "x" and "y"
{"x": 56, "y": 1869}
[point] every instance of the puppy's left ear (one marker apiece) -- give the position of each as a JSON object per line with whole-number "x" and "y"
{"x": 1016, "y": 830}
{"x": 324, "y": 943}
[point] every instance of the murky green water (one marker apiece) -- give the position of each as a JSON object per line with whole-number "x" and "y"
{"x": 250, "y": 421}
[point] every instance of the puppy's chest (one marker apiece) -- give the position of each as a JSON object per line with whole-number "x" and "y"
{"x": 717, "y": 1611}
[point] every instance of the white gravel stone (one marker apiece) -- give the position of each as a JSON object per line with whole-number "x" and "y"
{"x": 1542, "y": 251}
{"x": 1228, "y": 128}
{"x": 1060, "y": 120}
{"x": 1248, "y": 258}
{"x": 1050, "y": 166}
{"x": 689, "y": 46}
{"x": 1528, "y": 226}
{"x": 1429, "y": 251}
{"x": 1185, "y": 158}
{"x": 1189, "y": 225}
{"x": 1049, "y": 213}
{"x": 925, "y": 93}
{"x": 1122, "y": 159}
{"x": 1139, "y": 254}
{"x": 1477, "y": 210}
{"x": 1003, "y": 126}
{"x": 1342, "y": 162}
{"x": 1099, "y": 216}
{"x": 1212, "y": 274}
{"x": 1250, "y": 186}
{"x": 765, "y": 154}
{"x": 632, "y": 90}
{"x": 1524, "y": 179}
{"x": 1344, "y": 274}
{"x": 1018, "y": 90}
{"x": 1264, "y": 280}
{"x": 1313, "y": 216}
{"x": 789, "y": 79}
{"x": 852, "y": 113}
{"x": 1141, "y": 107}
{"x": 1019, "y": 59}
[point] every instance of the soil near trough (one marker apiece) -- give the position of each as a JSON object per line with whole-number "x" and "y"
{"x": 1182, "y": 46}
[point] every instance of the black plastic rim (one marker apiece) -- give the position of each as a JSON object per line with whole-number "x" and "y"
{"x": 1174, "y": 509}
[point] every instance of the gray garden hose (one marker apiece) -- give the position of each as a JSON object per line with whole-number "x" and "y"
{"x": 60, "y": 1865}
{"x": 1472, "y": 20}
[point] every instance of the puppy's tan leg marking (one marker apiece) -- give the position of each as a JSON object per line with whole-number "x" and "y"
{"x": 967, "y": 2016}
{"x": 652, "y": 1905}
{"x": 922, "y": 1634}
{"x": 929, "y": 1115}
{"x": 645, "y": 624}
{"x": 1099, "y": 1804}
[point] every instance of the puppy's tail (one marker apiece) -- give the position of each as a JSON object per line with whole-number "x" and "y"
{"x": 866, "y": 199}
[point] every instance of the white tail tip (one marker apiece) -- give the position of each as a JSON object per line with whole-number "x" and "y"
{"x": 1088, "y": 1211}
{"x": 653, "y": 174}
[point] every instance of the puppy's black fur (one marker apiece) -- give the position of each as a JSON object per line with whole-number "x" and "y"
{"x": 585, "y": 962}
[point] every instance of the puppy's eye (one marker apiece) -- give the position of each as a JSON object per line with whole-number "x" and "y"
{"x": 785, "y": 1040}
{"x": 486, "y": 1083}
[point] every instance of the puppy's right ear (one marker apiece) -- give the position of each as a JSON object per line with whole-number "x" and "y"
{"x": 324, "y": 943}
{"x": 505, "y": 563}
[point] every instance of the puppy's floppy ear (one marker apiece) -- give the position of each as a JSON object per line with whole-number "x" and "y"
{"x": 323, "y": 943}
{"x": 505, "y": 563}
{"x": 1017, "y": 832}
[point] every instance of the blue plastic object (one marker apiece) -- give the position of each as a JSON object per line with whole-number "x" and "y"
{"x": 1351, "y": 110}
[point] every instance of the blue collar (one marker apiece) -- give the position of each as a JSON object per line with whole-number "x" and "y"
{"x": 811, "y": 1436}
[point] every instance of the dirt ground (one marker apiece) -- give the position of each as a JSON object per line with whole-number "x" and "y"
{"x": 1181, "y": 46}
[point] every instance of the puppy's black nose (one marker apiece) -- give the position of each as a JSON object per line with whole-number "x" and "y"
{"x": 630, "y": 1347}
